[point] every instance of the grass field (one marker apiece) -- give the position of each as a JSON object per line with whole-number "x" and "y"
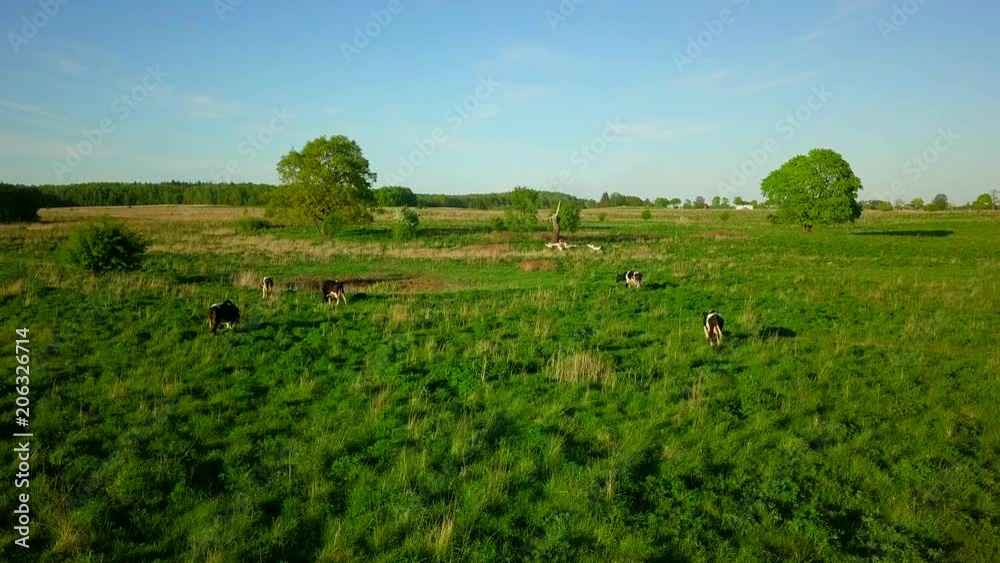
{"x": 482, "y": 398}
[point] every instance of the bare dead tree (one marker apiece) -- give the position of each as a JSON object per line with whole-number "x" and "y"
{"x": 555, "y": 223}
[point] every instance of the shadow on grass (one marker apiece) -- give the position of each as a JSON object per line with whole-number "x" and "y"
{"x": 199, "y": 279}
{"x": 934, "y": 233}
{"x": 360, "y": 297}
{"x": 659, "y": 286}
{"x": 776, "y": 332}
{"x": 456, "y": 230}
{"x": 612, "y": 238}
{"x": 279, "y": 325}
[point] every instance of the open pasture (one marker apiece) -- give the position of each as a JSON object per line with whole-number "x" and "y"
{"x": 483, "y": 398}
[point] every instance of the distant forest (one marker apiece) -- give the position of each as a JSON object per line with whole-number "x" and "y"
{"x": 254, "y": 195}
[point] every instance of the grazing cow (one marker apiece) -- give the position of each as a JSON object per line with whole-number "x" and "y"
{"x": 333, "y": 289}
{"x": 223, "y": 313}
{"x": 631, "y": 278}
{"x": 267, "y": 287}
{"x": 714, "y": 323}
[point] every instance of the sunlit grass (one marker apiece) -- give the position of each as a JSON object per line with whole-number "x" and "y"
{"x": 482, "y": 398}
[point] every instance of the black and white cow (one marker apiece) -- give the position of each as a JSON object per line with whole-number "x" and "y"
{"x": 333, "y": 289}
{"x": 631, "y": 278}
{"x": 223, "y": 313}
{"x": 714, "y": 324}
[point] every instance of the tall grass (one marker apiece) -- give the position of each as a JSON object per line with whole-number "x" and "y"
{"x": 465, "y": 407}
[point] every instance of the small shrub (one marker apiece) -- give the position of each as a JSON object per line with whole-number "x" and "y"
{"x": 497, "y": 224}
{"x": 252, "y": 225}
{"x": 602, "y": 217}
{"x": 725, "y": 215}
{"x": 406, "y": 224}
{"x": 105, "y": 247}
{"x": 646, "y": 215}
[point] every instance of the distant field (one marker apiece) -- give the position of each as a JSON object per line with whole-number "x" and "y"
{"x": 483, "y": 398}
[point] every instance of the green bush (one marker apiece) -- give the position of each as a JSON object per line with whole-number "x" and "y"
{"x": 406, "y": 223}
{"x": 105, "y": 247}
{"x": 252, "y": 225}
{"x": 646, "y": 215}
{"x": 19, "y": 204}
{"x": 497, "y": 224}
{"x": 569, "y": 216}
{"x": 522, "y": 213}
{"x": 602, "y": 217}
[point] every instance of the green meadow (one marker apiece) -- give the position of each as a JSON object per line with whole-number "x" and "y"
{"x": 483, "y": 398}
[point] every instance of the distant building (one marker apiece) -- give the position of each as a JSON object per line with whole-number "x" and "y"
{"x": 744, "y": 207}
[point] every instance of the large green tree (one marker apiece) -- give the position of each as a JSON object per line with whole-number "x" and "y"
{"x": 522, "y": 213}
{"x": 815, "y": 189}
{"x": 939, "y": 203}
{"x": 329, "y": 179}
{"x": 984, "y": 201}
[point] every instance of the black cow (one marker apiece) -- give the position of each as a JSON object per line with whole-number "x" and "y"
{"x": 223, "y": 313}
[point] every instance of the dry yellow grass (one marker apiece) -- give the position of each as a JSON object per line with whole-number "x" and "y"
{"x": 581, "y": 367}
{"x": 154, "y": 213}
{"x": 538, "y": 265}
{"x": 12, "y": 288}
{"x": 247, "y": 278}
{"x": 440, "y": 538}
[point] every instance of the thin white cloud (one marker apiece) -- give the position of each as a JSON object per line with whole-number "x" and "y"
{"x": 714, "y": 77}
{"x": 512, "y": 90}
{"x": 846, "y": 10}
{"x": 486, "y": 111}
{"x": 178, "y": 165}
{"x": 31, "y": 147}
{"x": 207, "y": 107}
{"x": 659, "y": 131}
{"x": 22, "y": 108}
{"x": 764, "y": 86}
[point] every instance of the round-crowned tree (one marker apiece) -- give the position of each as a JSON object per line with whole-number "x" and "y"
{"x": 815, "y": 189}
{"x": 328, "y": 178}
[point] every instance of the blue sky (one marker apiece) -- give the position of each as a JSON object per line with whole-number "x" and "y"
{"x": 204, "y": 82}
